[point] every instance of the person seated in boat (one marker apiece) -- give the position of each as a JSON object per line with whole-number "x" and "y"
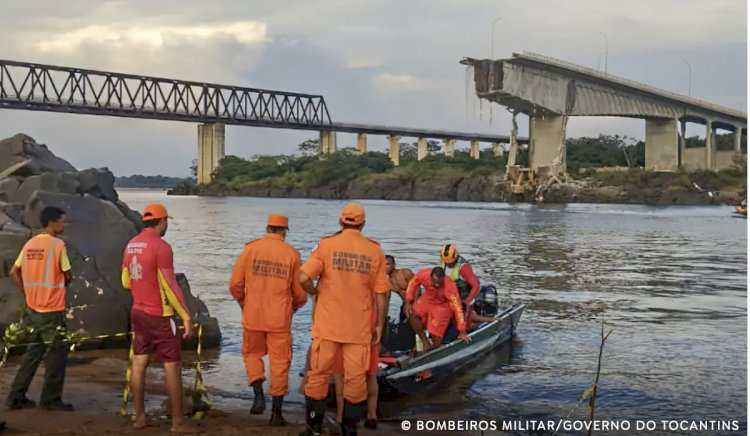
{"x": 437, "y": 305}
{"x": 460, "y": 271}
{"x": 399, "y": 279}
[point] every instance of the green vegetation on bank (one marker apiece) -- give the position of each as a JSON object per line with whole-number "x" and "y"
{"x": 372, "y": 175}
{"x": 154, "y": 182}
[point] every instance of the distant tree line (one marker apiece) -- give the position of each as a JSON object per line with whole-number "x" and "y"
{"x": 309, "y": 168}
{"x": 155, "y": 182}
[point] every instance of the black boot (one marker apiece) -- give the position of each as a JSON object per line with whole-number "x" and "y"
{"x": 259, "y": 403}
{"x": 352, "y": 414}
{"x": 276, "y": 419}
{"x": 314, "y": 410}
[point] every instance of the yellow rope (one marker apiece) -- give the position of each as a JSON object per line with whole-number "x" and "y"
{"x": 128, "y": 375}
{"x": 13, "y": 332}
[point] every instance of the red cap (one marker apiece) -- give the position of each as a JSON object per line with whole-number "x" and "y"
{"x": 353, "y": 214}
{"x": 278, "y": 220}
{"x": 155, "y": 211}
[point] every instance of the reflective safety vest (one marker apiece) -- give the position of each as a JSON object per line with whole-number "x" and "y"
{"x": 43, "y": 278}
{"x": 455, "y": 274}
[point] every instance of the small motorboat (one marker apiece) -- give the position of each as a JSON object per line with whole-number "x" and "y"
{"x": 741, "y": 209}
{"x": 408, "y": 373}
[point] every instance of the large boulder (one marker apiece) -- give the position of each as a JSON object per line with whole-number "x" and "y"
{"x": 95, "y": 227}
{"x": 64, "y": 183}
{"x": 8, "y": 187}
{"x": 98, "y": 182}
{"x": 199, "y": 313}
{"x": 22, "y": 147}
{"x": 10, "y": 246}
{"x": 98, "y": 227}
{"x": 11, "y": 299}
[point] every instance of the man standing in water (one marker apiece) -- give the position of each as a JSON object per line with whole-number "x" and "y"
{"x": 42, "y": 271}
{"x": 265, "y": 282}
{"x": 148, "y": 271}
{"x": 352, "y": 276}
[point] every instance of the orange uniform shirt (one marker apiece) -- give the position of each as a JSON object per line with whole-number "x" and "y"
{"x": 351, "y": 269}
{"x": 42, "y": 261}
{"x": 266, "y": 277}
{"x": 446, "y": 294}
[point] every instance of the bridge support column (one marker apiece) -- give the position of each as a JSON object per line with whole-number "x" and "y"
{"x": 547, "y": 142}
{"x": 393, "y": 149}
{"x": 210, "y": 150}
{"x": 498, "y": 149}
{"x": 738, "y": 139}
{"x": 421, "y": 148}
{"x": 661, "y": 144}
{"x": 450, "y": 147}
{"x": 710, "y": 145}
{"x": 362, "y": 143}
{"x": 327, "y": 142}
{"x": 683, "y": 130}
{"x": 474, "y": 150}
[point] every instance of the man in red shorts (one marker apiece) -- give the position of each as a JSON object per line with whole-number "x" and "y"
{"x": 148, "y": 271}
{"x": 436, "y": 306}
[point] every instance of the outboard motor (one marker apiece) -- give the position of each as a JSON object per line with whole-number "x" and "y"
{"x": 487, "y": 302}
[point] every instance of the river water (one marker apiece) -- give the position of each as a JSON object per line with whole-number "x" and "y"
{"x": 671, "y": 282}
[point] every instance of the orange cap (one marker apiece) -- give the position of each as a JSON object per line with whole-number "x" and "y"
{"x": 353, "y": 214}
{"x": 155, "y": 211}
{"x": 278, "y": 220}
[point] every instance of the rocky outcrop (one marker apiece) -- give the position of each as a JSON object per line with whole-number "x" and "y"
{"x": 99, "y": 226}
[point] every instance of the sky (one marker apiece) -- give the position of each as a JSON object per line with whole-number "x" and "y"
{"x": 387, "y": 62}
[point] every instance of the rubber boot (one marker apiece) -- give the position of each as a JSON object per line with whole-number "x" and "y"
{"x": 314, "y": 412}
{"x": 352, "y": 415}
{"x": 259, "y": 403}
{"x": 276, "y": 419}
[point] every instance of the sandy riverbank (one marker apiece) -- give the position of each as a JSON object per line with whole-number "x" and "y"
{"x": 94, "y": 385}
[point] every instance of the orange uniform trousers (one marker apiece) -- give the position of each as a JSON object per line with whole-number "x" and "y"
{"x": 278, "y": 346}
{"x": 323, "y": 355}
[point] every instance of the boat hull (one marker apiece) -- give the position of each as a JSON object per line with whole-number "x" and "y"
{"x": 420, "y": 373}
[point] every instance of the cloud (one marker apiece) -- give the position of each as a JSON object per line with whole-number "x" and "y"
{"x": 387, "y": 82}
{"x": 155, "y": 38}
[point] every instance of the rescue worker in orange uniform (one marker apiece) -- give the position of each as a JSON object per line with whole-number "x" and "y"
{"x": 352, "y": 276}
{"x": 436, "y": 307}
{"x": 148, "y": 271}
{"x": 265, "y": 282}
{"x": 42, "y": 271}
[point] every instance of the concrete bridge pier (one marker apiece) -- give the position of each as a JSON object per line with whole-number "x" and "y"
{"x": 683, "y": 131}
{"x": 474, "y": 150}
{"x": 421, "y": 148}
{"x": 738, "y": 140}
{"x": 362, "y": 143}
{"x": 661, "y": 144}
{"x": 710, "y": 145}
{"x": 327, "y": 142}
{"x": 450, "y": 147}
{"x": 498, "y": 149}
{"x": 547, "y": 142}
{"x": 210, "y": 150}
{"x": 393, "y": 149}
